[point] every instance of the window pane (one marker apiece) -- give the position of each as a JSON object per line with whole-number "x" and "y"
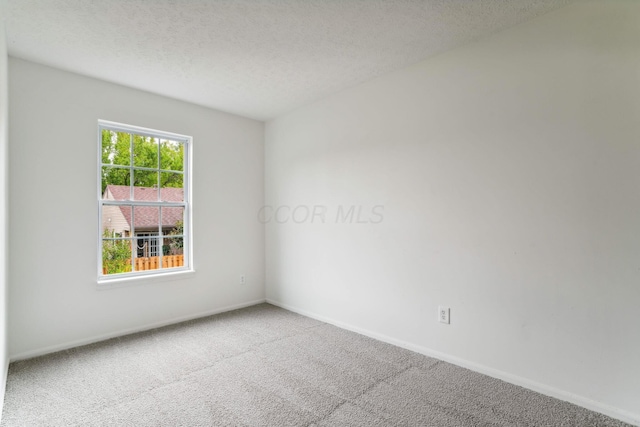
{"x": 173, "y": 246}
{"x": 146, "y": 219}
{"x": 147, "y": 246}
{"x": 145, "y": 151}
{"x": 116, "y": 148}
{"x": 173, "y": 250}
{"x": 107, "y": 145}
{"x": 172, "y": 184}
{"x": 114, "y": 176}
{"x": 116, "y": 256}
{"x": 173, "y": 242}
{"x": 146, "y": 185}
{"x": 171, "y": 179}
{"x": 171, "y": 155}
{"x": 172, "y": 221}
{"x": 116, "y": 221}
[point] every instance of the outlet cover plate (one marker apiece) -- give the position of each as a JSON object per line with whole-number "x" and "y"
{"x": 443, "y": 314}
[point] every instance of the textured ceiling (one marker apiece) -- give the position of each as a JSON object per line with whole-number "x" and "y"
{"x": 256, "y": 58}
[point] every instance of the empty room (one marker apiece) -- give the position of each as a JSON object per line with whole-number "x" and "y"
{"x": 320, "y": 213}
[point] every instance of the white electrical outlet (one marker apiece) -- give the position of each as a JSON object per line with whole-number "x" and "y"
{"x": 443, "y": 314}
{"x": 242, "y": 280}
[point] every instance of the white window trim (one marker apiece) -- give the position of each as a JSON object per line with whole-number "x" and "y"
{"x": 188, "y": 205}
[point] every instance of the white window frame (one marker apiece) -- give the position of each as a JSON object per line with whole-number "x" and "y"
{"x": 187, "y": 204}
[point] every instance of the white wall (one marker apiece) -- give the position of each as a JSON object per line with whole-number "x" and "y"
{"x": 509, "y": 174}
{"x": 4, "y": 195}
{"x": 53, "y": 297}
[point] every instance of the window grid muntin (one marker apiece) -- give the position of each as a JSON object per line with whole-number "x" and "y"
{"x": 108, "y": 165}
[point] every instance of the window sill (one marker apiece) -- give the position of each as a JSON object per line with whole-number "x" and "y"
{"x": 116, "y": 282}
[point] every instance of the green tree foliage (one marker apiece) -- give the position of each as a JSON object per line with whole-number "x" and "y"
{"x": 174, "y": 245}
{"x": 116, "y": 255}
{"x": 116, "y": 160}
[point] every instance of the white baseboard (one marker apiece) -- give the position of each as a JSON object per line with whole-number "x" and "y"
{"x": 592, "y": 405}
{"x": 77, "y": 343}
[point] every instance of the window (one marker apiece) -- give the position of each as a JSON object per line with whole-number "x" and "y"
{"x": 144, "y": 201}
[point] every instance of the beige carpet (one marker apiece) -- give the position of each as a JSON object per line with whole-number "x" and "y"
{"x": 265, "y": 366}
